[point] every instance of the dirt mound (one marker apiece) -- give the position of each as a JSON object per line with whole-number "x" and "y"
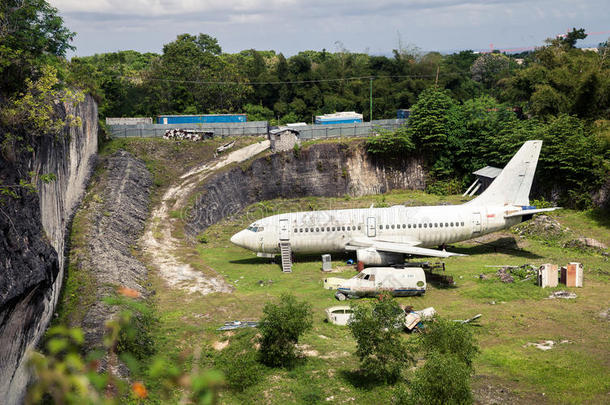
{"x": 541, "y": 226}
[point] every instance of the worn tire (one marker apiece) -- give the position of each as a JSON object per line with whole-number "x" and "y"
{"x": 340, "y": 296}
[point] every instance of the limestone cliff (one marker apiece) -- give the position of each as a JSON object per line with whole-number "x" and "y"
{"x": 32, "y": 239}
{"x": 326, "y": 169}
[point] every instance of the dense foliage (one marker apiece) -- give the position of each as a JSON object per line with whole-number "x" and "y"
{"x": 477, "y": 111}
{"x": 444, "y": 378}
{"x": 378, "y": 330}
{"x": 281, "y": 327}
{"x": 239, "y": 361}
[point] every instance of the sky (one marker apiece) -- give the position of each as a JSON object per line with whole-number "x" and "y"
{"x": 291, "y": 26}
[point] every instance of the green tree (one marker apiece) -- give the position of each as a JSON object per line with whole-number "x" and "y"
{"x": 445, "y": 376}
{"x": 32, "y": 34}
{"x": 571, "y": 37}
{"x": 436, "y": 127}
{"x": 571, "y": 160}
{"x": 258, "y": 113}
{"x": 443, "y": 379}
{"x": 488, "y": 68}
{"x": 390, "y": 144}
{"x": 281, "y": 327}
{"x": 377, "y": 328}
{"x": 446, "y": 337}
{"x": 239, "y": 361}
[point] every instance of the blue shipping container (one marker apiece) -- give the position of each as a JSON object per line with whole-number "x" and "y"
{"x": 200, "y": 119}
{"x": 403, "y": 114}
{"x": 337, "y": 121}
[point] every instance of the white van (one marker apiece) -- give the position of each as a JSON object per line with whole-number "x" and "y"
{"x": 376, "y": 280}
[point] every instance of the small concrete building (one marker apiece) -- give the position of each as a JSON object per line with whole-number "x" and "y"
{"x": 283, "y": 139}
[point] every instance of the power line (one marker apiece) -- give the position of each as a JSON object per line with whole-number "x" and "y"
{"x": 289, "y": 82}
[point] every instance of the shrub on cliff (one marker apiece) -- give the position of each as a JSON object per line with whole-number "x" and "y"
{"x": 390, "y": 144}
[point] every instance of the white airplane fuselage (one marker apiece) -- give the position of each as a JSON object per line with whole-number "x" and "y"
{"x": 383, "y": 235}
{"x": 331, "y": 230}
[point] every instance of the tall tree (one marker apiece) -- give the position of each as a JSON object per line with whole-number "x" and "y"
{"x": 32, "y": 34}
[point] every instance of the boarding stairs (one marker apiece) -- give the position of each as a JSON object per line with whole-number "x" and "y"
{"x": 286, "y": 252}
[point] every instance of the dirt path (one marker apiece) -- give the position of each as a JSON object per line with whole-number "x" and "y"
{"x": 158, "y": 241}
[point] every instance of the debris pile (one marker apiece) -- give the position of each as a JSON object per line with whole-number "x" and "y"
{"x": 504, "y": 274}
{"x": 562, "y": 294}
{"x": 238, "y": 325}
{"x": 546, "y": 344}
{"x": 187, "y": 134}
{"x": 541, "y": 225}
{"x": 508, "y": 274}
{"x": 582, "y": 243}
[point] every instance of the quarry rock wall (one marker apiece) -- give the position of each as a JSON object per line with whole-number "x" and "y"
{"x": 326, "y": 169}
{"x": 116, "y": 222}
{"x": 33, "y": 231}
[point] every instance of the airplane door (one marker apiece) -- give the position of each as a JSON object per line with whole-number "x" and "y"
{"x": 371, "y": 227}
{"x": 476, "y": 222}
{"x": 284, "y": 229}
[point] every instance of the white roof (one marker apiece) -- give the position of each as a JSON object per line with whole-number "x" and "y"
{"x": 488, "y": 171}
{"x": 343, "y": 114}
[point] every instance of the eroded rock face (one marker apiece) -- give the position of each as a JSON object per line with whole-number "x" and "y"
{"x": 601, "y": 198}
{"x": 328, "y": 170}
{"x": 116, "y": 223}
{"x": 32, "y": 235}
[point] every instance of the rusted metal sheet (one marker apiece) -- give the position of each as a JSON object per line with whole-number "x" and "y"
{"x": 572, "y": 275}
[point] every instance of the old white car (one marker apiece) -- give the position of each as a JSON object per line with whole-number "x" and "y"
{"x": 339, "y": 315}
{"x": 376, "y": 280}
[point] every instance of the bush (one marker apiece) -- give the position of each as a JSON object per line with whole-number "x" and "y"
{"x": 281, "y": 326}
{"x": 239, "y": 362}
{"x": 444, "y": 379}
{"x": 450, "y": 338}
{"x": 136, "y": 336}
{"x": 390, "y": 143}
{"x": 377, "y": 329}
{"x": 202, "y": 238}
{"x": 446, "y": 187}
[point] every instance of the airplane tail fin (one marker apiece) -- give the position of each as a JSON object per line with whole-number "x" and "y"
{"x": 513, "y": 184}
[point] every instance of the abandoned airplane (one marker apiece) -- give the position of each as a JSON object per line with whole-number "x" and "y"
{"x": 383, "y": 236}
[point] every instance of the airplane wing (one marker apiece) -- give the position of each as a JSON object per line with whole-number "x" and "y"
{"x": 395, "y": 247}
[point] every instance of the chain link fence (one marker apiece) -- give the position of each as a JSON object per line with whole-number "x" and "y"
{"x": 254, "y": 128}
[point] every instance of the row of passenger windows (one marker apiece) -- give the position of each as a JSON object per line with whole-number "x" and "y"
{"x": 328, "y": 229}
{"x": 404, "y": 226}
{"x": 425, "y": 225}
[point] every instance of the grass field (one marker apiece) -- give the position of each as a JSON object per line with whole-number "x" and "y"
{"x": 506, "y": 370}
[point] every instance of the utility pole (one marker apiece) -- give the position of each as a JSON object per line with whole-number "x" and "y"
{"x": 371, "y": 100}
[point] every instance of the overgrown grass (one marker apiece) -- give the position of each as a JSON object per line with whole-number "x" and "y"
{"x": 162, "y": 155}
{"x": 79, "y": 287}
{"x": 513, "y": 314}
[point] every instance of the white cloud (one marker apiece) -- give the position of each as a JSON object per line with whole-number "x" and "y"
{"x": 293, "y": 25}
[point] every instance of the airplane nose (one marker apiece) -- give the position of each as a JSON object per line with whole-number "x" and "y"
{"x": 239, "y": 239}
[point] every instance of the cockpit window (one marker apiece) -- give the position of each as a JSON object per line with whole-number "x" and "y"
{"x": 256, "y": 228}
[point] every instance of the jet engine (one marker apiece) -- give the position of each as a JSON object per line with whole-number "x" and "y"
{"x": 371, "y": 257}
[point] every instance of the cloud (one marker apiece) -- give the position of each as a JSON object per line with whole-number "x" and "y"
{"x": 293, "y": 25}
